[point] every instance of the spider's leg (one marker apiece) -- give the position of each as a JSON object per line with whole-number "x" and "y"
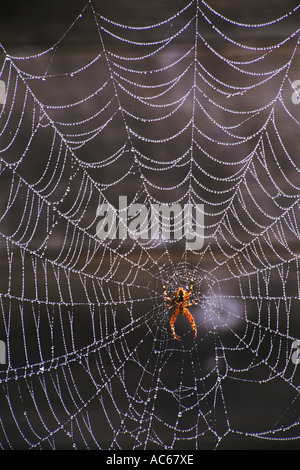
{"x": 172, "y": 321}
{"x": 170, "y": 306}
{"x": 191, "y": 288}
{"x": 191, "y": 320}
{"x": 191, "y": 303}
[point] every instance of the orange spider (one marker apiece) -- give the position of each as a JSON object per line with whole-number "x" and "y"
{"x": 180, "y": 301}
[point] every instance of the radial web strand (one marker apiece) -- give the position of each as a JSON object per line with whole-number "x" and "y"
{"x": 197, "y": 108}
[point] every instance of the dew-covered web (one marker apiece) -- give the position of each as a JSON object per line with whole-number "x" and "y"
{"x": 196, "y": 108}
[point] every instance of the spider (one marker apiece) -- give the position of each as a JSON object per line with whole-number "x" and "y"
{"x": 180, "y": 301}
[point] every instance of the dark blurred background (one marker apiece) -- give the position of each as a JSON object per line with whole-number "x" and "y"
{"x": 31, "y": 27}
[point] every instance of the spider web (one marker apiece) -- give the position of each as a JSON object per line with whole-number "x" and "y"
{"x": 195, "y": 108}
